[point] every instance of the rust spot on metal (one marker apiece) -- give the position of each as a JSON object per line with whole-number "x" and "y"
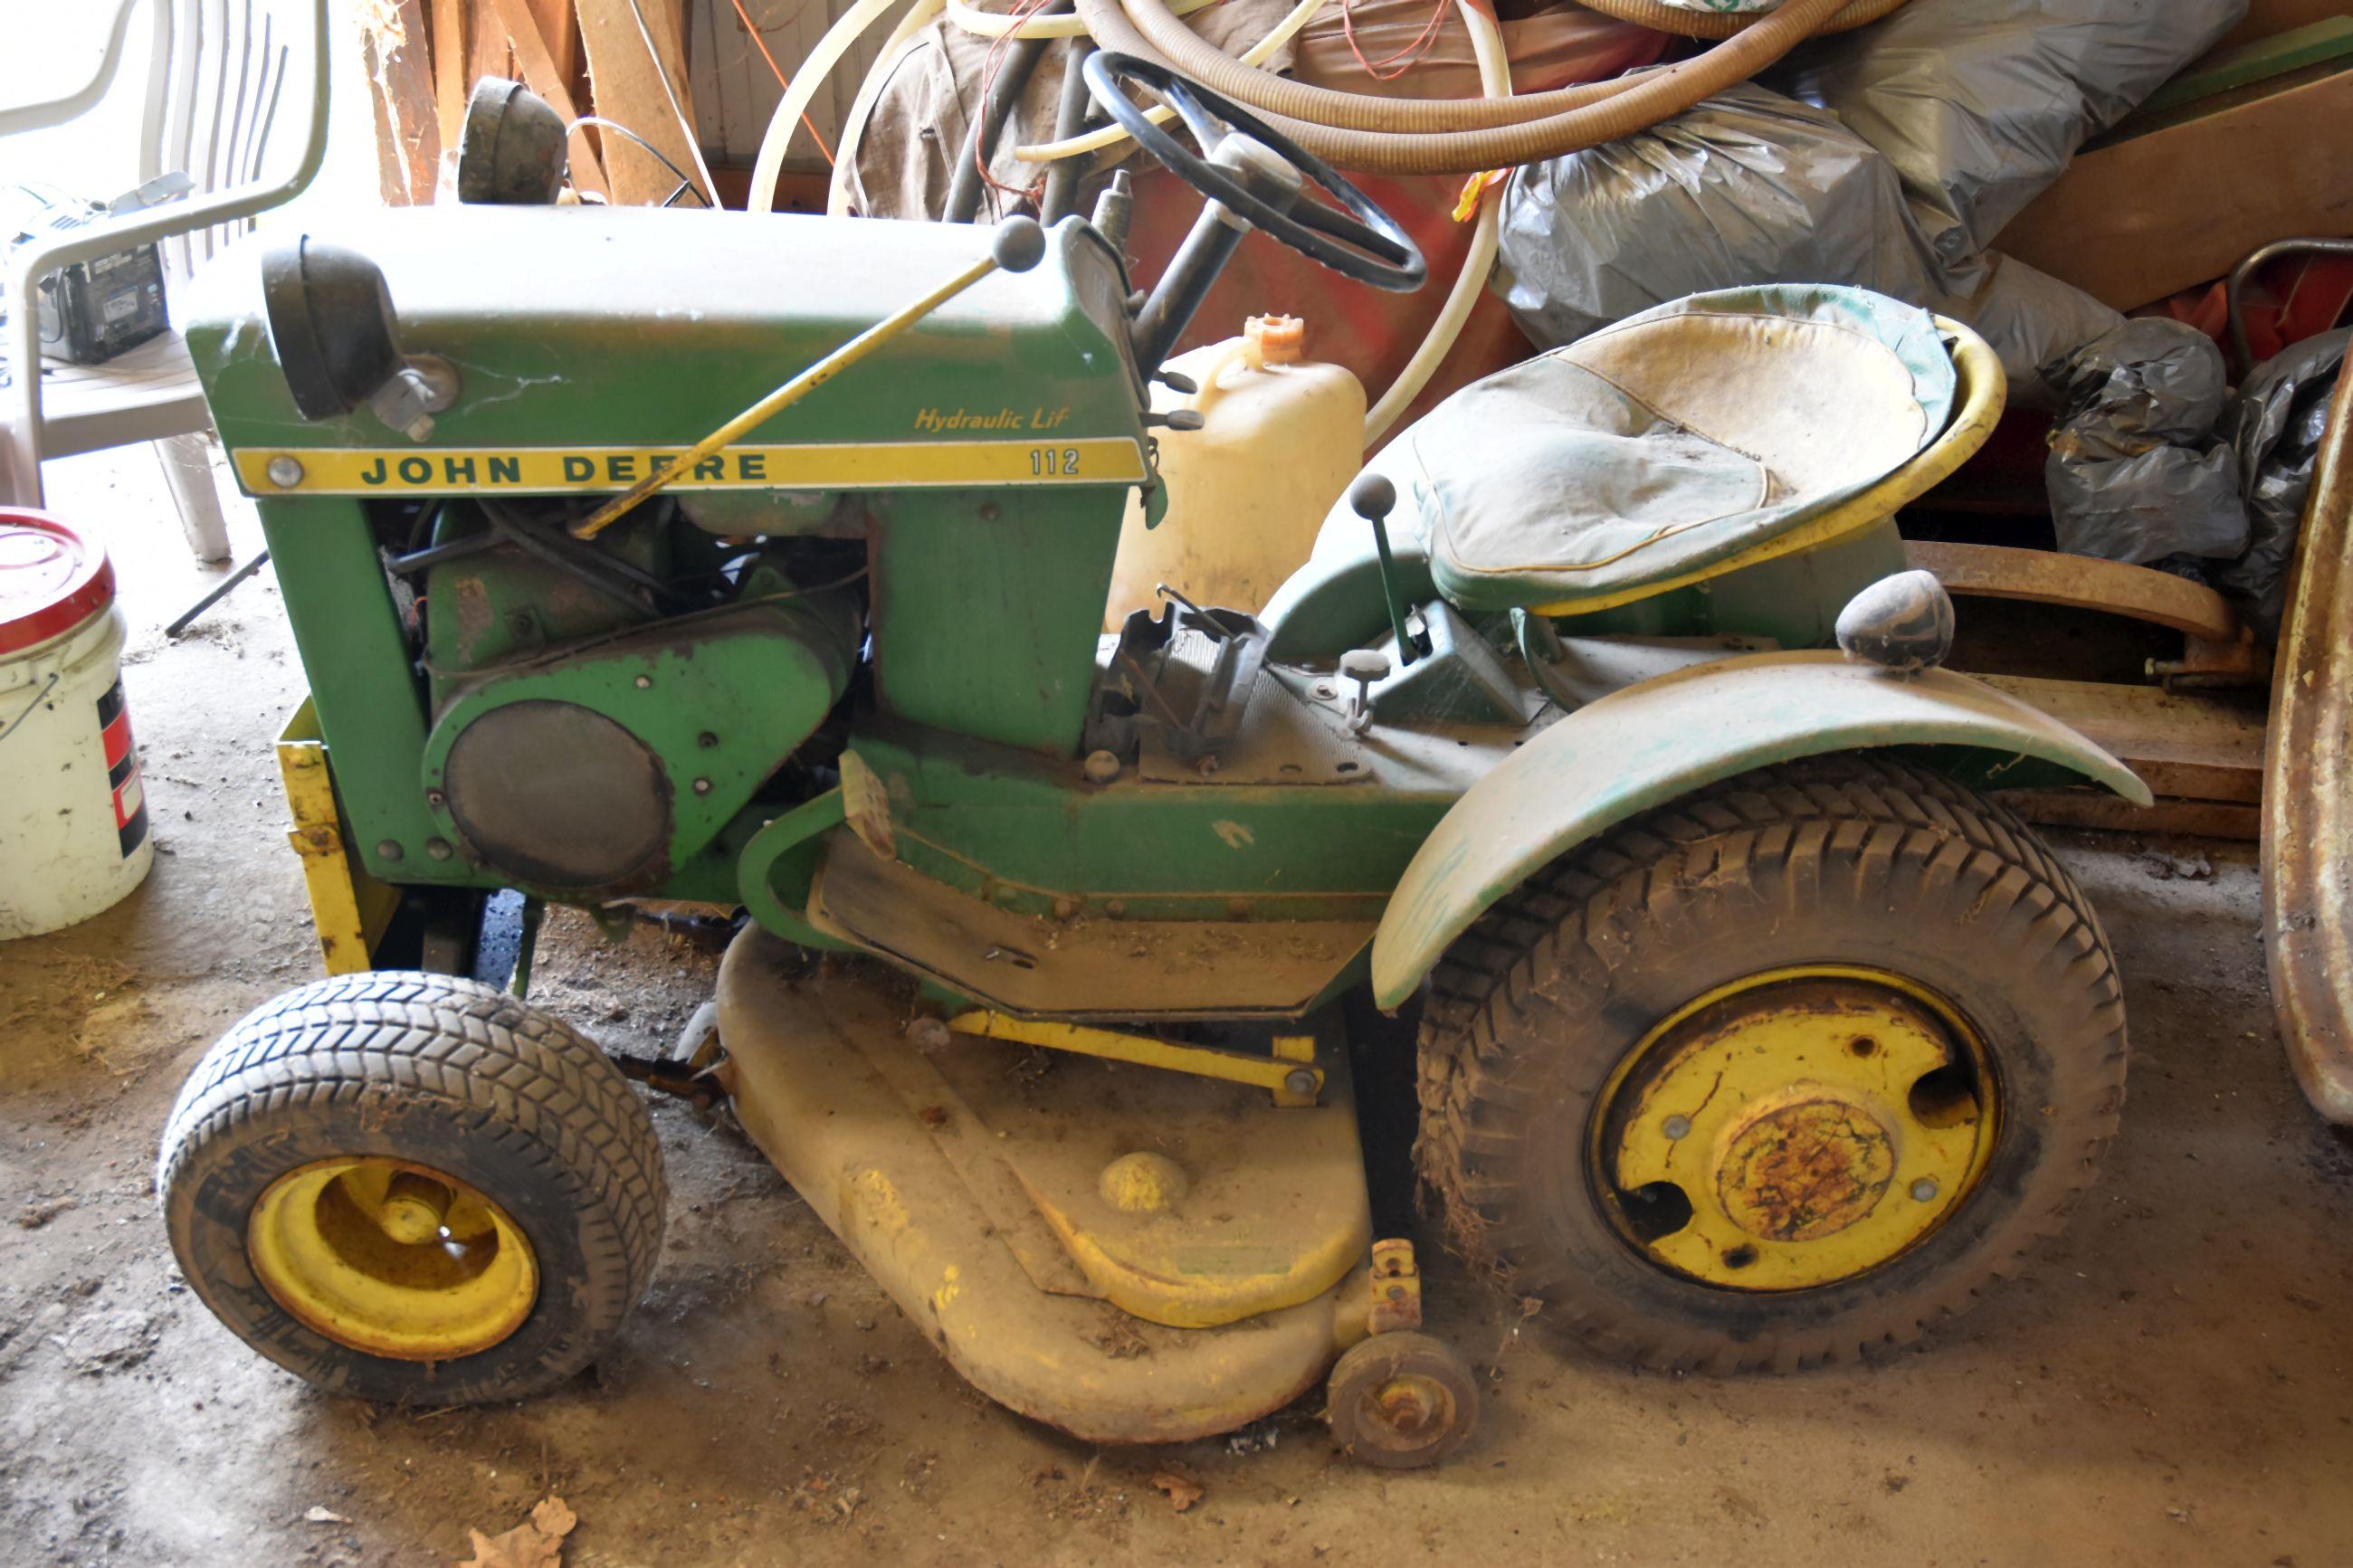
{"x": 1805, "y": 1171}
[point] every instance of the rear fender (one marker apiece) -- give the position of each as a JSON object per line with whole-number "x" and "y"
{"x": 1663, "y": 738}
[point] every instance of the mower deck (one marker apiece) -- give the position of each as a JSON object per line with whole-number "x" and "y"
{"x": 1128, "y": 1253}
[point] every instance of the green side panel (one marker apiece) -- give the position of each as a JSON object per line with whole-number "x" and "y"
{"x": 1662, "y": 738}
{"x": 1015, "y": 828}
{"x": 590, "y": 326}
{"x": 986, "y": 609}
{"x": 721, "y": 700}
{"x": 363, "y": 680}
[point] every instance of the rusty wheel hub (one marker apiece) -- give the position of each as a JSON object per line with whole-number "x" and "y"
{"x": 1795, "y": 1129}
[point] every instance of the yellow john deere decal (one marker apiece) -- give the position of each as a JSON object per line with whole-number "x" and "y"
{"x": 524, "y": 470}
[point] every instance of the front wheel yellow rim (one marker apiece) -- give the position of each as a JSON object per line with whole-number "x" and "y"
{"x": 1795, "y": 1129}
{"x": 396, "y": 1259}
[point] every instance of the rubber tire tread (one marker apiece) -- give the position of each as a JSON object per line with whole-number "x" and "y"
{"x": 1853, "y": 824}
{"x": 445, "y": 1071}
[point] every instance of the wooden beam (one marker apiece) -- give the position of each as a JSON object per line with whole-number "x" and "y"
{"x": 628, "y": 88}
{"x": 560, "y": 33}
{"x": 540, "y": 75}
{"x": 2098, "y": 809}
{"x": 2198, "y": 745}
{"x": 488, "y": 51}
{"x": 2084, "y": 581}
{"x": 451, "y": 32}
{"x": 400, "y": 82}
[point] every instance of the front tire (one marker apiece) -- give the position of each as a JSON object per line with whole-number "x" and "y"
{"x": 1776, "y": 1074}
{"x": 413, "y": 1188}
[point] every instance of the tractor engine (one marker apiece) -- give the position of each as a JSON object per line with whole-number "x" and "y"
{"x": 598, "y": 714}
{"x": 432, "y": 403}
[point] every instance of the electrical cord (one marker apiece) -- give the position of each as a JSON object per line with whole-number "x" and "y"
{"x": 685, "y": 180}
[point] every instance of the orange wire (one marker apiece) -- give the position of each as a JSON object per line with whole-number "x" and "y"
{"x": 990, "y": 64}
{"x": 782, "y": 80}
{"x": 1411, "y": 53}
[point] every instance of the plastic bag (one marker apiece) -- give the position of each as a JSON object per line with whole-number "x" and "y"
{"x": 1751, "y": 187}
{"x": 1745, "y": 187}
{"x": 1980, "y": 103}
{"x": 2134, "y": 472}
{"x": 2275, "y": 428}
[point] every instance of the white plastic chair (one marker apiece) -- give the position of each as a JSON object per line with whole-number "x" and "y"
{"x": 218, "y": 72}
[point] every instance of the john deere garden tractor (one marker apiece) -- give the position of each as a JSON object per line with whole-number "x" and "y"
{"x": 1604, "y": 728}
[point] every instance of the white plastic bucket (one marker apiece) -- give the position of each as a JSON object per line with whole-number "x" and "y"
{"x": 73, "y": 814}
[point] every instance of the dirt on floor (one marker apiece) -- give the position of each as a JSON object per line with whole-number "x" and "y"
{"x": 2165, "y": 1384}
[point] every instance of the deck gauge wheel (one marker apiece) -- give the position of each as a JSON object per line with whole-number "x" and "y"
{"x": 1401, "y": 1401}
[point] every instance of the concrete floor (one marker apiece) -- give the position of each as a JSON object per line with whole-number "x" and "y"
{"x": 2165, "y": 1386}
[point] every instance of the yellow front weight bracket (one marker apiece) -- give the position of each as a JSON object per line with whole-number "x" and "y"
{"x": 1289, "y": 1074}
{"x": 349, "y": 909}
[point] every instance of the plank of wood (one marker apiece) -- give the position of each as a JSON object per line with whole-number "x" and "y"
{"x": 627, "y": 89}
{"x": 2146, "y": 217}
{"x": 539, "y": 74}
{"x": 561, "y": 34}
{"x": 400, "y": 82}
{"x": 487, "y": 52}
{"x": 452, "y": 28}
{"x": 2198, "y": 745}
{"x": 2098, "y": 809}
{"x": 2266, "y": 18}
{"x": 2050, "y": 578}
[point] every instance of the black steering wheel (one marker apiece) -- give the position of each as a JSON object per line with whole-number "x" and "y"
{"x": 1362, "y": 243}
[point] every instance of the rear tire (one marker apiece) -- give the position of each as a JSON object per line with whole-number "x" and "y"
{"x": 417, "y": 1073}
{"x": 1855, "y": 859}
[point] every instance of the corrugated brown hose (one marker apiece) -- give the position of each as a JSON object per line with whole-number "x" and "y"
{"x": 1458, "y": 136}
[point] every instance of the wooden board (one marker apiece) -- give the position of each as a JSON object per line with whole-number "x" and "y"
{"x": 400, "y": 84}
{"x": 450, "y": 29}
{"x": 2108, "y": 813}
{"x": 2197, "y": 745}
{"x": 2266, "y": 17}
{"x": 560, "y": 31}
{"x": 737, "y": 93}
{"x": 2146, "y": 217}
{"x": 2050, "y": 577}
{"x": 627, "y": 89}
{"x": 541, "y": 75}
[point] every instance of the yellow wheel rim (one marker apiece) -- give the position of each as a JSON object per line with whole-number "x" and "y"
{"x": 1795, "y": 1129}
{"x": 395, "y": 1259}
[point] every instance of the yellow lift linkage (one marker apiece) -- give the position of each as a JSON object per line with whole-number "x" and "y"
{"x": 1290, "y": 1073}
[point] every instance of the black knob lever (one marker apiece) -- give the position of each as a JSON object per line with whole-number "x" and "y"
{"x": 1373, "y": 497}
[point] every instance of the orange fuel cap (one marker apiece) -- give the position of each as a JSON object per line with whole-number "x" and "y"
{"x": 1280, "y": 340}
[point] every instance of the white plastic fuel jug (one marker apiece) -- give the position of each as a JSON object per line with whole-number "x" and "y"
{"x": 1281, "y": 438}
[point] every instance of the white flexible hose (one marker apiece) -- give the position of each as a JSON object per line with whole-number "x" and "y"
{"x": 997, "y": 24}
{"x": 1279, "y": 35}
{"x": 861, "y": 107}
{"x": 801, "y": 93}
{"x": 1495, "y": 81}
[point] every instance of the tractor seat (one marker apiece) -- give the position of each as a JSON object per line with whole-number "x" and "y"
{"x": 1692, "y": 440}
